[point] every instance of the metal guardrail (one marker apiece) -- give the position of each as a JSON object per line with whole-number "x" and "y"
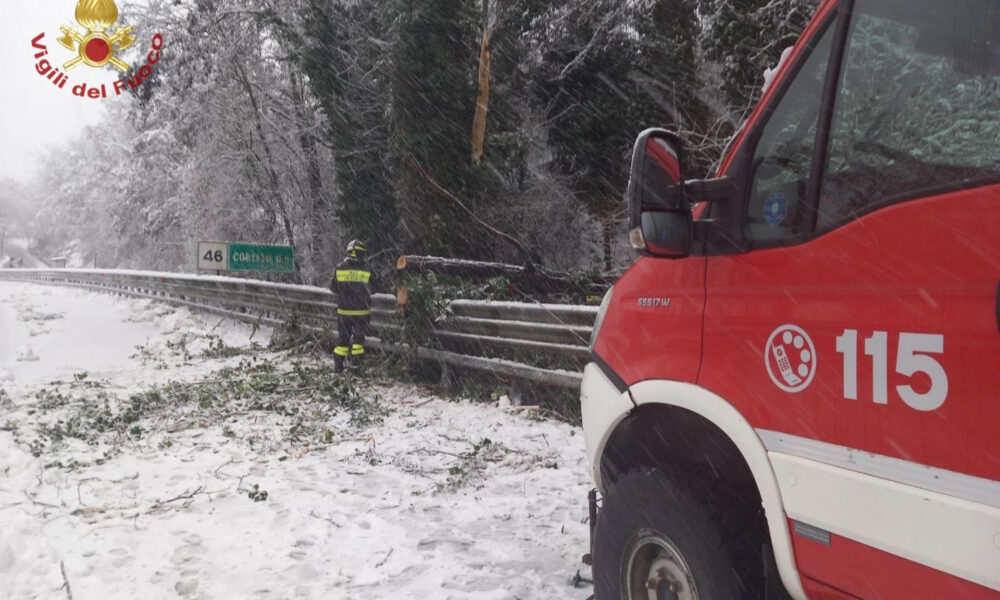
{"x": 510, "y": 339}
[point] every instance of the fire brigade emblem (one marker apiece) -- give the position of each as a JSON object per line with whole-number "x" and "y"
{"x": 94, "y": 47}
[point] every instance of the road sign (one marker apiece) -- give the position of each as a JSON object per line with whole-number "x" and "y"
{"x": 254, "y": 257}
{"x": 219, "y": 256}
{"x": 213, "y": 256}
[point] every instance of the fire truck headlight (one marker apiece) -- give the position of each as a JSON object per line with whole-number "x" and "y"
{"x": 600, "y": 318}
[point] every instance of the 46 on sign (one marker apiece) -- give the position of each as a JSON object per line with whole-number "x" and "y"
{"x": 213, "y": 256}
{"x": 913, "y": 355}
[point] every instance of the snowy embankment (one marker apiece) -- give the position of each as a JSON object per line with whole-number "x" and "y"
{"x": 16, "y": 251}
{"x": 147, "y": 452}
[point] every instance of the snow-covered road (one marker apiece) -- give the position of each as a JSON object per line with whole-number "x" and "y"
{"x": 73, "y": 331}
{"x": 438, "y": 499}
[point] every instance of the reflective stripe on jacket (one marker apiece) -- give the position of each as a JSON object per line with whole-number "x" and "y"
{"x": 350, "y": 284}
{"x": 349, "y": 276}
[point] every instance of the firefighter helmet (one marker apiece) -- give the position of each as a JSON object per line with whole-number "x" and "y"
{"x": 356, "y": 249}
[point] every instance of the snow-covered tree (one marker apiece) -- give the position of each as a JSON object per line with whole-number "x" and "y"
{"x": 311, "y": 122}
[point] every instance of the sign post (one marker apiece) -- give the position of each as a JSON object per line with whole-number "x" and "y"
{"x": 219, "y": 256}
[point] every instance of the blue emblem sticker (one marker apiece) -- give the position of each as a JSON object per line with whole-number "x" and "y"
{"x": 776, "y": 209}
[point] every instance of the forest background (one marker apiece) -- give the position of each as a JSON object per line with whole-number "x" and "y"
{"x": 418, "y": 126}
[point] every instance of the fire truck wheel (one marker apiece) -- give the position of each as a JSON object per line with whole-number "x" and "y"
{"x": 657, "y": 538}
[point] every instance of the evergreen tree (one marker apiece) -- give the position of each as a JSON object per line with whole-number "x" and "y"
{"x": 745, "y": 37}
{"x": 344, "y": 58}
{"x": 433, "y": 70}
{"x": 607, "y": 71}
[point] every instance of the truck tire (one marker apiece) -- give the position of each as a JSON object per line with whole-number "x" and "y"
{"x": 656, "y": 533}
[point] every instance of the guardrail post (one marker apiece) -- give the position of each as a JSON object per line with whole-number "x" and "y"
{"x": 448, "y": 380}
{"x": 516, "y": 393}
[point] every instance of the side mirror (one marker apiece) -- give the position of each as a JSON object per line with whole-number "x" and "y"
{"x": 660, "y": 221}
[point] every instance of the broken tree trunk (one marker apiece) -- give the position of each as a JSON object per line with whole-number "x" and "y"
{"x": 526, "y": 280}
{"x": 456, "y": 267}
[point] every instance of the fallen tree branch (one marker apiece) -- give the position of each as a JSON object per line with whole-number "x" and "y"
{"x": 38, "y": 503}
{"x": 256, "y": 325}
{"x": 223, "y": 319}
{"x": 456, "y": 267}
{"x": 188, "y": 495}
{"x": 89, "y": 510}
{"x": 448, "y": 195}
{"x": 62, "y": 569}
{"x": 385, "y": 558}
{"x": 69, "y": 592}
{"x": 424, "y": 403}
{"x": 327, "y": 519}
{"x": 524, "y": 280}
{"x": 225, "y": 464}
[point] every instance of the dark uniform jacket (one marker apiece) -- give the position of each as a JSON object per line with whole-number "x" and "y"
{"x": 351, "y": 285}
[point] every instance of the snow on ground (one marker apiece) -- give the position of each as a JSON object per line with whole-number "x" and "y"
{"x": 64, "y": 331}
{"x": 250, "y": 498}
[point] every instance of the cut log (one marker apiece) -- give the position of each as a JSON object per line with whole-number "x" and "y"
{"x": 529, "y": 281}
{"x": 456, "y": 267}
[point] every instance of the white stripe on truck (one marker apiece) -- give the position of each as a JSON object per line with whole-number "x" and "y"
{"x": 938, "y": 518}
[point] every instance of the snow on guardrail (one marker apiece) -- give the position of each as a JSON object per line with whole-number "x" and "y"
{"x": 510, "y": 339}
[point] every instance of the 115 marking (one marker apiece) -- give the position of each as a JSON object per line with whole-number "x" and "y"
{"x": 912, "y": 356}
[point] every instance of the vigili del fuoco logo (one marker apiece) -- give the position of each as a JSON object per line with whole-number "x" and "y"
{"x": 99, "y": 43}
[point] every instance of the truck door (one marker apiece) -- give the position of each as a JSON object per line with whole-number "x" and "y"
{"x": 859, "y": 333}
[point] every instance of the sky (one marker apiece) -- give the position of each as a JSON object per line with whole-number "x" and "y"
{"x": 34, "y": 114}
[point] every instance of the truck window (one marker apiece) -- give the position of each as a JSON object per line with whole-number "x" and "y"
{"x": 783, "y": 155}
{"x": 918, "y": 105}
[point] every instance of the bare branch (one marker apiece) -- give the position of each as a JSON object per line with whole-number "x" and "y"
{"x": 448, "y": 195}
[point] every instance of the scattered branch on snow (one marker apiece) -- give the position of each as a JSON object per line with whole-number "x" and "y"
{"x": 327, "y": 519}
{"x": 69, "y": 591}
{"x": 187, "y": 495}
{"x": 384, "y": 559}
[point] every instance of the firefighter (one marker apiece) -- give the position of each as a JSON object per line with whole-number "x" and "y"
{"x": 354, "y": 300}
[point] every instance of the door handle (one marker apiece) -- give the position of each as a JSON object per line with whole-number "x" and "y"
{"x": 998, "y": 307}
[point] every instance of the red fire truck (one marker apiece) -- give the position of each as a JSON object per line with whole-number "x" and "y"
{"x": 795, "y": 389}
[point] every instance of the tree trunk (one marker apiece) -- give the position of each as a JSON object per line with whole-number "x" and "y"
{"x": 316, "y": 204}
{"x": 268, "y": 165}
{"x": 456, "y": 267}
{"x": 482, "y": 102}
{"x": 608, "y": 229}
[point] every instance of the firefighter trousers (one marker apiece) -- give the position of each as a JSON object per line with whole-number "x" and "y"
{"x": 351, "y": 332}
